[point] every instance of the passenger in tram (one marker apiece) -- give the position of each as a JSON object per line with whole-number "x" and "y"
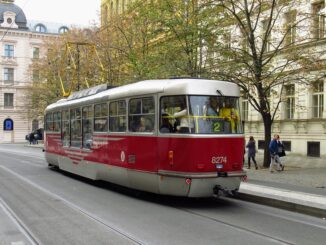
{"x": 186, "y": 123}
{"x": 141, "y": 126}
{"x": 213, "y": 107}
{"x": 166, "y": 126}
{"x": 211, "y": 113}
{"x": 230, "y": 113}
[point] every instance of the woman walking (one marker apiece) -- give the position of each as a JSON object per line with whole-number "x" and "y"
{"x": 251, "y": 145}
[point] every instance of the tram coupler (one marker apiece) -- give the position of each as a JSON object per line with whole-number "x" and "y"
{"x": 218, "y": 191}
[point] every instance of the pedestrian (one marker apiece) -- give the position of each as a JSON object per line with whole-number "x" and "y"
{"x": 31, "y": 138}
{"x": 273, "y": 149}
{"x": 251, "y": 145}
{"x": 280, "y": 152}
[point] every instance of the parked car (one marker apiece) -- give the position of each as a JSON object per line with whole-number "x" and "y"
{"x": 35, "y": 135}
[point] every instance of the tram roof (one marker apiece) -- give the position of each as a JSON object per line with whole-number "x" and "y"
{"x": 147, "y": 87}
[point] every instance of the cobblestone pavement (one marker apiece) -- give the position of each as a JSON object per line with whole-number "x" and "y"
{"x": 298, "y": 171}
{"x": 305, "y": 177}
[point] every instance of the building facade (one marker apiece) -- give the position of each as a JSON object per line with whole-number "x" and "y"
{"x": 109, "y": 8}
{"x": 301, "y": 117}
{"x": 21, "y": 42}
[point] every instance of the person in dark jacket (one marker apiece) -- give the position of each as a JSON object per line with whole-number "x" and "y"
{"x": 251, "y": 145}
{"x": 273, "y": 149}
{"x": 280, "y": 152}
{"x": 31, "y": 138}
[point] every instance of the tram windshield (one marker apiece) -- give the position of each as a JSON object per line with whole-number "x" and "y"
{"x": 200, "y": 115}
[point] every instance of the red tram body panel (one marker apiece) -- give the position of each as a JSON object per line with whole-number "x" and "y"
{"x": 193, "y": 164}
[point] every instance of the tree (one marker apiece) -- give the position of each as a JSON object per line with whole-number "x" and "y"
{"x": 70, "y": 62}
{"x": 159, "y": 39}
{"x": 265, "y": 54}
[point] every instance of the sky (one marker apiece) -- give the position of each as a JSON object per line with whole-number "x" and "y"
{"x": 75, "y": 12}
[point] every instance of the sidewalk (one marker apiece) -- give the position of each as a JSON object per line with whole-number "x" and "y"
{"x": 300, "y": 187}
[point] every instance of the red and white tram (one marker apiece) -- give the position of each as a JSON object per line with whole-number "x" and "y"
{"x": 171, "y": 137}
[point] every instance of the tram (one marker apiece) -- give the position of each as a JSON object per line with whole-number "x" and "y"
{"x": 170, "y": 137}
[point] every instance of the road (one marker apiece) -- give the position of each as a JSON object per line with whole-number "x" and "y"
{"x": 39, "y": 205}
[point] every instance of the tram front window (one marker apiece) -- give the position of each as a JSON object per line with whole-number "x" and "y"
{"x": 216, "y": 114}
{"x": 200, "y": 115}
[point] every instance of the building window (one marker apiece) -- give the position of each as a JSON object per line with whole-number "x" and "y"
{"x": 9, "y": 50}
{"x": 8, "y": 75}
{"x": 244, "y": 108}
{"x": 290, "y": 27}
{"x": 318, "y": 100}
{"x": 111, "y": 10}
{"x": 8, "y": 124}
{"x": 268, "y": 38}
{"x": 104, "y": 15}
{"x": 40, "y": 28}
{"x": 117, "y": 7}
{"x": 289, "y": 101}
{"x": 244, "y": 41}
{"x": 261, "y": 144}
{"x": 35, "y": 124}
{"x": 36, "y": 75}
{"x": 287, "y": 145}
{"x": 123, "y": 6}
{"x": 313, "y": 149}
{"x": 36, "y": 52}
{"x": 63, "y": 29}
{"x": 8, "y": 100}
{"x": 318, "y": 27}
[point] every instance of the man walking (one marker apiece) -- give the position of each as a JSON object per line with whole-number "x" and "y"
{"x": 273, "y": 149}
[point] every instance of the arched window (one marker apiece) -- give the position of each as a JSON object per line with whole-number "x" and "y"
{"x": 63, "y": 29}
{"x": 34, "y": 124}
{"x": 40, "y": 28}
{"x": 8, "y": 124}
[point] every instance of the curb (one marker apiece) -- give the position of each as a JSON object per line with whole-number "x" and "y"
{"x": 291, "y": 206}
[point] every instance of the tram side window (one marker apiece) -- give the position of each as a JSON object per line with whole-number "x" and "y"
{"x": 76, "y": 130}
{"x": 101, "y": 117}
{"x": 65, "y": 136}
{"x": 57, "y": 121}
{"x": 87, "y": 126}
{"x": 141, "y": 115}
{"x": 117, "y": 116}
{"x": 174, "y": 115}
{"x": 49, "y": 122}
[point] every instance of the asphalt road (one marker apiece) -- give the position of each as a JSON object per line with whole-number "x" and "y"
{"x": 39, "y": 205}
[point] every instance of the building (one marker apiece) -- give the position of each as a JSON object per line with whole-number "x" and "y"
{"x": 109, "y": 8}
{"x": 301, "y": 117}
{"x": 20, "y": 42}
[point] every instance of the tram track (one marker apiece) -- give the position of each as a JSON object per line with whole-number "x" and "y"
{"x": 69, "y": 204}
{"x": 18, "y": 223}
{"x": 188, "y": 210}
{"x": 239, "y": 228}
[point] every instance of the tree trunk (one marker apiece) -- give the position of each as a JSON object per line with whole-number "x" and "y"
{"x": 268, "y": 132}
